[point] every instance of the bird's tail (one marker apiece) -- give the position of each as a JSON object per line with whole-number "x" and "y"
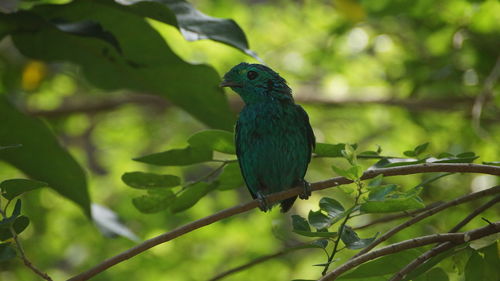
{"x": 286, "y": 204}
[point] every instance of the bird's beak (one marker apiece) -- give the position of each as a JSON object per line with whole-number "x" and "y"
{"x": 229, "y": 84}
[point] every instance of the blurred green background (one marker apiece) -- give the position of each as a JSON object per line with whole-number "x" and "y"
{"x": 393, "y": 74}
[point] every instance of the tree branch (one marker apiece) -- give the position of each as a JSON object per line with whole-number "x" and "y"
{"x": 454, "y": 238}
{"x": 443, "y": 246}
{"x": 72, "y": 106}
{"x": 457, "y": 201}
{"x": 291, "y": 249}
{"x": 393, "y": 171}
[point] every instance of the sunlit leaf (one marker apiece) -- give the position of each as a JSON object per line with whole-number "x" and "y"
{"x": 193, "y": 24}
{"x": 144, "y": 180}
{"x": 14, "y": 187}
{"x": 146, "y": 63}
{"x": 190, "y": 196}
{"x": 177, "y": 157}
{"x": 217, "y": 140}
{"x": 41, "y": 157}
{"x": 154, "y": 203}
{"x": 435, "y": 274}
{"x": 330, "y": 150}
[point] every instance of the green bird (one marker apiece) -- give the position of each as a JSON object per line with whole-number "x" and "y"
{"x": 274, "y": 139}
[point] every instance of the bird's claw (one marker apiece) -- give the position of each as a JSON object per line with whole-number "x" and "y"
{"x": 263, "y": 204}
{"x": 306, "y": 192}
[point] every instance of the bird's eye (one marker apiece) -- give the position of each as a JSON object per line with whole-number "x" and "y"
{"x": 252, "y": 75}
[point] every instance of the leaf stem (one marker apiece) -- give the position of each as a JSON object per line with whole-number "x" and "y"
{"x": 20, "y": 249}
{"x": 342, "y": 226}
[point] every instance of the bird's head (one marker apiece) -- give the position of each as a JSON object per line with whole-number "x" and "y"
{"x": 257, "y": 83}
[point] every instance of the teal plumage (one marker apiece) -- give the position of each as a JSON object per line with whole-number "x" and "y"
{"x": 274, "y": 139}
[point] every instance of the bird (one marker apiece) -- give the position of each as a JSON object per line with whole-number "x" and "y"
{"x": 273, "y": 137}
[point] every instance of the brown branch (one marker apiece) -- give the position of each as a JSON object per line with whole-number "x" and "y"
{"x": 443, "y": 246}
{"x": 72, "y": 106}
{"x": 290, "y": 249}
{"x": 454, "y": 238}
{"x": 104, "y": 104}
{"x": 393, "y": 171}
{"x": 457, "y": 201}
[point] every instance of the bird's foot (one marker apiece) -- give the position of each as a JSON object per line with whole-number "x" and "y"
{"x": 263, "y": 204}
{"x": 306, "y": 192}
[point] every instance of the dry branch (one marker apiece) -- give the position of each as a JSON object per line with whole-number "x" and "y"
{"x": 393, "y": 171}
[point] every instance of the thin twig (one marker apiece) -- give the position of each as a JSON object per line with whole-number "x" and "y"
{"x": 342, "y": 228}
{"x": 22, "y": 254}
{"x": 393, "y": 171}
{"x": 443, "y": 246}
{"x": 457, "y": 201}
{"x": 485, "y": 95}
{"x": 456, "y": 238}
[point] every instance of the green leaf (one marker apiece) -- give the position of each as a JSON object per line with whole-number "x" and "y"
{"x": 154, "y": 203}
{"x": 493, "y": 163}
{"x": 422, "y": 269}
{"x": 316, "y": 233}
{"x": 385, "y": 265}
{"x": 322, "y": 243}
{"x": 230, "y": 178}
{"x": 190, "y": 196}
{"x": 146, "y": 63}
{"x": 177, "y": 157}
{"x": 455, "y": 160}
{"x": 193, "y": 24}
{"x": 474, "y": 269}
{"x": 340, "y": 172}
{"x": 396, "y": 162}
{"x": 300, "y": 224}
{"x": 15, "y": 187}
{"x": 379, "y": 193}
{"x": 331, "y": 206}
{"x": 435, "y": 274}
{"x": 330, "y": 150}
{"x": 349, "y": 153}
{"x": 376, "y": 181}
{"x": 410, "y": 153}
{"x": 6, "y": 252}
{"x": 421, "y": 148}
{"x": 218, "y": 140}
{"x": 352, "y": 240}
{"x": 143, "y": 180}
{"x": 319, "y": 220}
{"x": 491, "y": 260}
{"x": 392, "y": 205}
{"x": 19, "y": 225}
{"x": 41, "y": 157}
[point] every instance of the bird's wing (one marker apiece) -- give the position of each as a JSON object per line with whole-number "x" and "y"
{"x": 311, "y": 139}
{"x": 239, "y": 154}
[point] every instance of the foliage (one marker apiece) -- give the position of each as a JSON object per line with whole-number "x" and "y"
{"x": 85, "y": 86}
